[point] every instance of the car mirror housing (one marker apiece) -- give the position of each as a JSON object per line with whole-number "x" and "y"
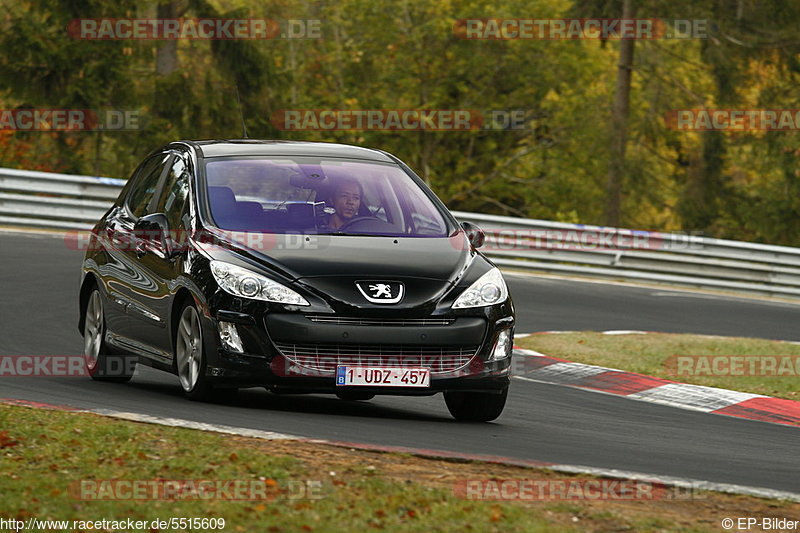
{"x": 152, "y": 235}
{"x": 475, "y": 235}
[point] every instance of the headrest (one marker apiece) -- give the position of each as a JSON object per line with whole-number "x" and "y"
{"x": 221, "y": 198}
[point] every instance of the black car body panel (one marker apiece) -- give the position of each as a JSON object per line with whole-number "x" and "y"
{"x": 344, "y": 255}
{"x": 145, "y": 282}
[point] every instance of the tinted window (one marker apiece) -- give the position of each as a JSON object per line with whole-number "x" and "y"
{"x": 424, "y": 219}
{"x": 313, "y": 195}
{"x": 175, "y": 191}
{"x": 144, "y": 186}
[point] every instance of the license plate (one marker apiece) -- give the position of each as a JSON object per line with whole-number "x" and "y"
{"x": 381, "y": 376}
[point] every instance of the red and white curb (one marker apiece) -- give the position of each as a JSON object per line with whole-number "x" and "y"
{"x": 544, "y": 369}
{"x": 681, "y": 482}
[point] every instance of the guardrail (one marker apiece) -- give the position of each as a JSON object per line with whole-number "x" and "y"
{"x": 48, "y": 200}
{"x": 637, "y": 255}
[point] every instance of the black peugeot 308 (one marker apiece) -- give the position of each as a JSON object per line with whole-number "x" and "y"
{"x": 296, "y": 266}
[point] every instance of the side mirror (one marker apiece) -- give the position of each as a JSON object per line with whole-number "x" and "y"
{"x": 152, "y": 235}
{"x": 475, "y": 235}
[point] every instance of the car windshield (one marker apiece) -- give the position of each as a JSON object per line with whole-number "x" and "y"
{"x": 323, "y": 196}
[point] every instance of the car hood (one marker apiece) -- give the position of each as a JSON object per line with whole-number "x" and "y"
{"x": 311, "y": 257}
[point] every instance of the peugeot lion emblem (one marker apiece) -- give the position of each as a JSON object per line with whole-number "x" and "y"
{"x": 381, "y": 292}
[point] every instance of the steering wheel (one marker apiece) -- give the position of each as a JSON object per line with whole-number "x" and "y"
{"x": 356, "y": 221}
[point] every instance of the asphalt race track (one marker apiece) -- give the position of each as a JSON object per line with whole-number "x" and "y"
{"x": 39, "y": 277}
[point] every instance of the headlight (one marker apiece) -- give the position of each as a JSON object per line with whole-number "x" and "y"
{"x": 247, "y": 284}
{"x": 489, "y": 289}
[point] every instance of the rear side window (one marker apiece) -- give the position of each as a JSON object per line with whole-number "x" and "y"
{"x": 144, "y": 185}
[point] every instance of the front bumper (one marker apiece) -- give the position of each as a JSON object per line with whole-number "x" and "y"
{"x": 298, "y": 353}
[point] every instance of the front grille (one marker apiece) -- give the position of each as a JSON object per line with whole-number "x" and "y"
{"x": 356, "y": 321}
{"x": 325, "y": 357}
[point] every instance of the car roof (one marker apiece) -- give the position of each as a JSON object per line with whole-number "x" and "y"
{"x": 256, "y": 147}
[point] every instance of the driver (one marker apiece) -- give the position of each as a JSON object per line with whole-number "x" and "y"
{"x": 346, "y": 200}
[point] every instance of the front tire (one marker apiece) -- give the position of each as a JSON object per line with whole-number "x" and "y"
{"x": 475, "y": 406}
{"x": 190, "y": 360}
{"x": 101, "y": 364}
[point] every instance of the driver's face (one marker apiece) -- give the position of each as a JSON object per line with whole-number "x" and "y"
{"x": 346, "y": 200}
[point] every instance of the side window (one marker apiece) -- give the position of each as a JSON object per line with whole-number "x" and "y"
{"x": 174, "y": 193}
{"x": 145, "y": 185}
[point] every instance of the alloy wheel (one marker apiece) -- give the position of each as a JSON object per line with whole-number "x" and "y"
{"x": 189, "y": 348}
{"x": 93, "y": 330}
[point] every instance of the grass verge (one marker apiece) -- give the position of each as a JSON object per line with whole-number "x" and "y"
{"x": 654, "y": 354}
{"x": 44, "y": 454}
